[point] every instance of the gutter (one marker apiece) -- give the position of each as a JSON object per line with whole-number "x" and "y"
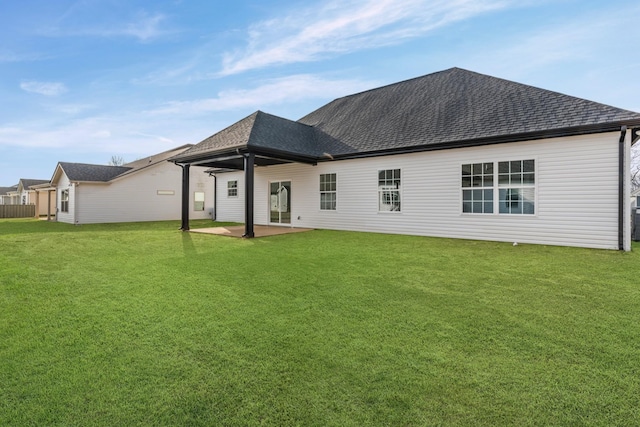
{"x": 621, "y": 179}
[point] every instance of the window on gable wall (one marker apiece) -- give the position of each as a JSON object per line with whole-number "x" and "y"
{"x": 64, "y": 200}
{"x": 515, "y": 189}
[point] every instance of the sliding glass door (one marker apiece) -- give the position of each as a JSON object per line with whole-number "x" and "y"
{"x": 280, "y": 202}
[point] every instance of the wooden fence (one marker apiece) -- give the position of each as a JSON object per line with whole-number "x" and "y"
{"x": 17, "y": 211}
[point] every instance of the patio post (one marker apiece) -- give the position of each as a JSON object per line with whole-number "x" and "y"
{"x": 48, "y": 204}
{"x": 37, "y": 194}
{"x": 249, "y": 161}
{"x": 185, "y": 197}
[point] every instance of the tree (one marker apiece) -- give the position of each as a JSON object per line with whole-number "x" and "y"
{"x": 116, "y": 161}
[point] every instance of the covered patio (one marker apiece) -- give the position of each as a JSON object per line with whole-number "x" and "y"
{"x": 259, "y": 140}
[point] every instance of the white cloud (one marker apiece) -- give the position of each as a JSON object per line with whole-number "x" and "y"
{"x": 131, "y": 133}
{"x": 102, "y": 134}
{"x": 44, "y": 88}
{"x": 587, "y": 42}
{"x": 128, "y": 134}
{"x": 345, "y": 26}
{"x": 146, "y": 28}
{"x": 143, "y": 27}
{"x": 9, "y": 56}
{"x": 276, "y": 91}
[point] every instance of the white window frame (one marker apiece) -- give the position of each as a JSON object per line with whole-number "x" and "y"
{"x": 388, "y": 189}
{"x": 528, "y": 188}
{"x": 477, "y": 185}
{"x": 232, "y": 189}
{"x": 333, "y": 204}
{"x": 196, "y": 206}
{"x": 64, "y": 201}
{"x": 525, "y": 184}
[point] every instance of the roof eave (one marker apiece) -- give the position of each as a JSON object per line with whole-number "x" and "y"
{"x": 194, "y": 159}
{"x": 207, "y": 155}
{"x": 500, "y": 139}
{"x": 78, "y": 182}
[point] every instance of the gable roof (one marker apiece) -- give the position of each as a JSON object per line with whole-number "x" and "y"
{"x": 26, "y": 183}
{"x": 146, "y": 162}
{"x": 5, "y": 190}
{"x": 91, "y": 173}
{"x": 446, "y": 109}
{"x": 84, "y": 172}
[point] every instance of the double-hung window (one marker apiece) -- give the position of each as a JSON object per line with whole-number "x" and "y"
{"x": 477, "y": 188}
{"x": 516, "y": 182}
{"x": 389, "y": 186}
{"x": 232, "y": 188}
{"x": 510, "y": 183}
{"x": 198, "y": 201}
{"x": 328, "y": 189}
{"x": 64, "y": 200}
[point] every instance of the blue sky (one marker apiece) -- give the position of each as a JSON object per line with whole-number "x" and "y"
{"x": 84, "y": 80}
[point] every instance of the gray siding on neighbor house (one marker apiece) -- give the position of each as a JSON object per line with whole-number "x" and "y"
{"x": 576, "y": 194}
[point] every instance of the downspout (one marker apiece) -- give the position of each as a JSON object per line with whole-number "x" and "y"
{"x": 621, "y": 179}
{"x": 214, "y": 214}
{"x": 76, "y": 221}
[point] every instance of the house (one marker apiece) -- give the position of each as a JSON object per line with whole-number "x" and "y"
{"x": 6, "y": 195}
{"x": 45, "y": 199}
{"x": 27, "y": 196}
{"x": 28, "y": 193}
{"x": 148, "y": 189}
{"x": 635, "y": 198}
{"x": 451, "y": 154}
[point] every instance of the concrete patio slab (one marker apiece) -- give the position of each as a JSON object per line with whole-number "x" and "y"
{"x": 258, "y": 230}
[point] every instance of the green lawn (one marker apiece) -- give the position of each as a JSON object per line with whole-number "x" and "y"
{"x": 141, "y": 324}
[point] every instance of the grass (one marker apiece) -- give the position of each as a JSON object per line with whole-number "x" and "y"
{"x": 140, "y": 324}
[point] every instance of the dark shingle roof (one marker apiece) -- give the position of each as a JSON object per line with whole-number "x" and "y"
{"x": 5, "y": 190}
{"x": 258, "y": 131}
{"x": 105, "y": 173}
{"x": 442, "y": 109}
{"x": 145, "y": 162}
{"x": 451, "y": 106}
{"x": 26, "y": 183}
{"x": 94, "y": 173}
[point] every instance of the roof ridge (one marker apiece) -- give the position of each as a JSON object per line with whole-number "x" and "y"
{"x": 351, "y": 95}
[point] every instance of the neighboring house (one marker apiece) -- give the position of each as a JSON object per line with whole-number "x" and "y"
{"x": 26, "y": 195}
{"x": 45, "y": 199}
{"x": 451, "y": 154}
{"x": 6, "y": 193}
{"x": 148, "y": 189}
{"x": 635, "y": 198}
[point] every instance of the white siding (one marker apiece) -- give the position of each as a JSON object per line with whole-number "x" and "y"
{"x": 135, "y": 197}
{"x": 576, "y": 194}
{"x": 64, "y": 184}
{"x": 230, "y": 209}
